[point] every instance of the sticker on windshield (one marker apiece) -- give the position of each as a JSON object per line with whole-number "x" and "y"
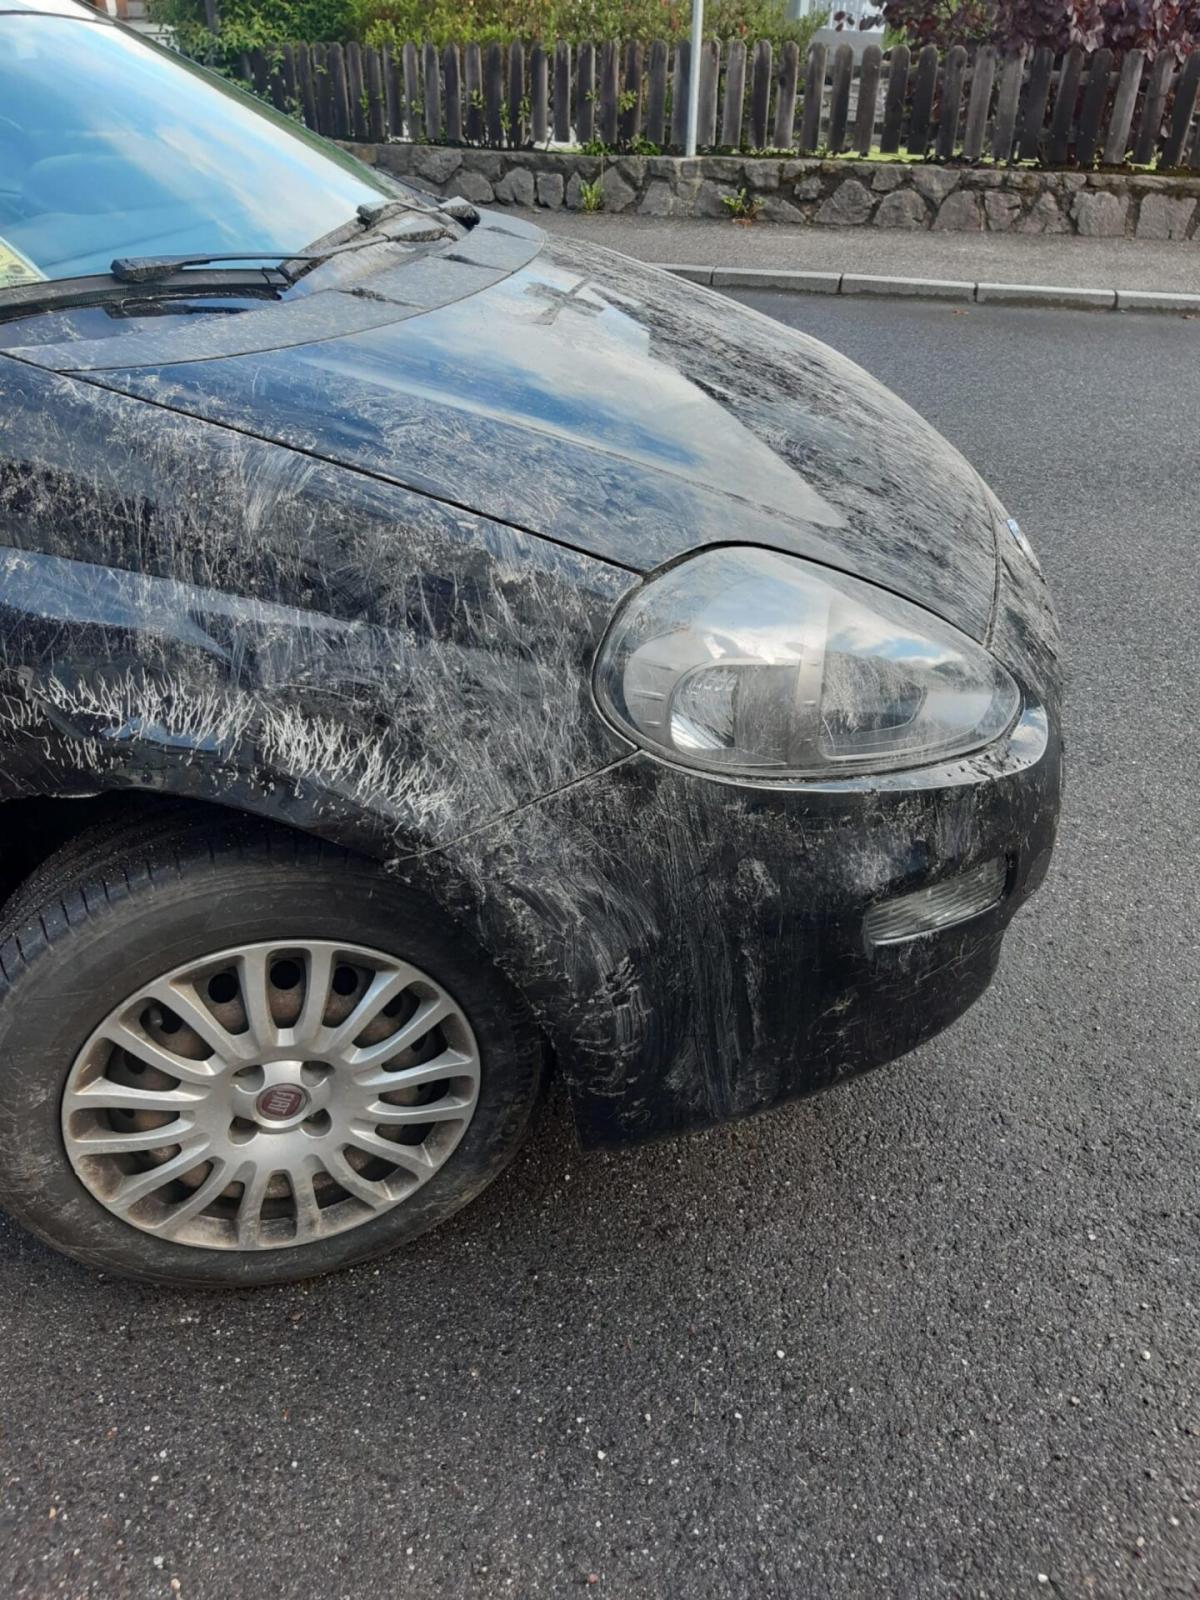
{"x": 16, "y": 269}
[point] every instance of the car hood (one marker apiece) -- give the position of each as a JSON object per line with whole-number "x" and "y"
{"x": 587, "y": 398}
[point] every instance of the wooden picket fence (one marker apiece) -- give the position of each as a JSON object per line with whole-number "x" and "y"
{"x": 1072, "y": 110}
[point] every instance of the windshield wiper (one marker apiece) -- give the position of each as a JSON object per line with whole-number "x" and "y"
{"x": 228, "y": 274}
{"x": 152, "y": 269}
{"x": 155, "y": 269}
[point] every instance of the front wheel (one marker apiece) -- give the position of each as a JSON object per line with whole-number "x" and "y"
{"x": 235, "y": 1056}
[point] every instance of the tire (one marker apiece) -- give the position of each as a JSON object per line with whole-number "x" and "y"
{"x": 130, "y": 901}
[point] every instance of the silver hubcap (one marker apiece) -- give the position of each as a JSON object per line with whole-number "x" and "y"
{"x": 270, "y": 1095}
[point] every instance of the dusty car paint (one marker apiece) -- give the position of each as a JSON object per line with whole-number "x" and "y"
{"x": 352, "y": 574}
{"x": 590, "y": 399}
{"x": 394, "y": 634}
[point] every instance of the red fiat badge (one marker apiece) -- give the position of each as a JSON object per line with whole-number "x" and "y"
{"x": 280, "y": 1101}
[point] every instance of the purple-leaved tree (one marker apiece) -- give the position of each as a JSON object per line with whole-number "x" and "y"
{"x": 1120, "y": 25}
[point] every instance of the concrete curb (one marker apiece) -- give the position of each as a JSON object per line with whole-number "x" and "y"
{"x": 1016, "y": 294}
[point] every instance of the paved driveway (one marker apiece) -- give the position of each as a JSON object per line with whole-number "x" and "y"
{"x": 934, "y": 1334}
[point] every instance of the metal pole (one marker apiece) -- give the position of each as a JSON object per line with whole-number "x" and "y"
{"x": 693, "y": 99}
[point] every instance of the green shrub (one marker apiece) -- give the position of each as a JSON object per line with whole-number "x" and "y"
{"x": 251, "y": 24}
{"x": 457, "y": 21}
{"x": 247, "y": 24}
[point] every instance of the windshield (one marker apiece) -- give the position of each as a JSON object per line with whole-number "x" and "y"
{"x": 110, "y": 146}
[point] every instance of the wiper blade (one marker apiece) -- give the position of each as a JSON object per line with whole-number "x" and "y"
{"x": 178, "y": 274}
{"x": 152, "y": 269}
{"x": 155, "y": 269}
{"x": 63, "y": 294}
{"x": 436, "y": 214}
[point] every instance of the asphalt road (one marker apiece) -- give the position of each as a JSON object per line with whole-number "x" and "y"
{"x": 934, "y": 1334}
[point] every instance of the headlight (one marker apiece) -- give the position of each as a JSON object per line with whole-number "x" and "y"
{"x": 746, "y": 661}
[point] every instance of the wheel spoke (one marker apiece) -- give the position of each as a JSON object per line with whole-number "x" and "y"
{"x": 190, "y": 1010}
{"x": 255, "y": 1178}
{"x": 104, "y": 1142}
{"x": 304, "y": 1196}
{"x": 371, "y": 1193}
{"x": 382, "y": 989}
{"x": 450, "y": 1064}
{"x": 150, "y": 1054}
{"x": 318, "y": 974}
{"x": 104, "y": 1095}
{"x": 427, "y": 1015}
{"x": 253, "y": 968}
{"x": 140, "y": 1184}
{"x": 411, "y": 1157}
{"x": 449, "y": 1109}
{"x": 203, "y": 1195}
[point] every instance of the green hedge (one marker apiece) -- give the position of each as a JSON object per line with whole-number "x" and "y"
{"x": 263, "y": 24}
{"x": 252, "y": 24}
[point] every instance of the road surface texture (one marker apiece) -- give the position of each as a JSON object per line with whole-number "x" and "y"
{"x": 1062, "y": 260}
{"x": 934, "y": 1334}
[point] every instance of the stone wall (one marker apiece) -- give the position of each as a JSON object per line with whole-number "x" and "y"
{"x": 840, "y": 194}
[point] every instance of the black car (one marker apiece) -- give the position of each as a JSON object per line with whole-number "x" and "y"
{"x": 435, "y": 655}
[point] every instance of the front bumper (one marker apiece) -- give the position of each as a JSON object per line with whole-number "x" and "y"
{"x": 695, "y": 949}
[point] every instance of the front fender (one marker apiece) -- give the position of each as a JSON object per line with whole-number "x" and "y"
{"x": 390, "y": 736}
{"x": 189, "y": 608}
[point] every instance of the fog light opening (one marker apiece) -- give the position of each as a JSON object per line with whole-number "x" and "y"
{"x": 943, "y": 905}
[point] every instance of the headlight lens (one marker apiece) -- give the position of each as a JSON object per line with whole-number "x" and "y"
{"x": 746, "y": 661}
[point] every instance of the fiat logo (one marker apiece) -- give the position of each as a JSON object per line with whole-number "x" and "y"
{"x": 281, "y": 1101}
